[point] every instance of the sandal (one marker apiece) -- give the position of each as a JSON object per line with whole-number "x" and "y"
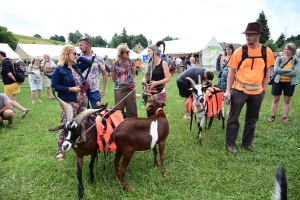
{"x": 271, "y": 119}
{"x": 60, "y": 157}
{"x": 285, "y": 120}
{"x": 24, "y": 113}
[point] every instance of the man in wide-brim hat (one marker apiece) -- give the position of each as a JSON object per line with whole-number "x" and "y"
{"x": 247, "y": 82}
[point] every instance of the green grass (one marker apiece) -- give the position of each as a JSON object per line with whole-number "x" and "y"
{"x": 29, "y": 169}
{"x": 33, "y": 40}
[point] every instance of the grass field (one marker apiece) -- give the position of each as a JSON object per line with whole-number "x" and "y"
{"x": 29, "y": 169}
{"x": 33, "y": 40}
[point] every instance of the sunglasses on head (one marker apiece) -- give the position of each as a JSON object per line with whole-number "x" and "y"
{"x": 85, "y": 39}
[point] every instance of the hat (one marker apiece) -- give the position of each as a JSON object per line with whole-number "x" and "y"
{"x": 253, "y": 27}
{"x": 192, "y": 60}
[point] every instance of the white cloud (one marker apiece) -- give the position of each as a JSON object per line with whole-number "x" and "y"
{"x": 154, "y": 19}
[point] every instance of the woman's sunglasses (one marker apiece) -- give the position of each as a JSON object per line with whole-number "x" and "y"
{"x": 75, "y": 53}
{"x": 127, "y": 52}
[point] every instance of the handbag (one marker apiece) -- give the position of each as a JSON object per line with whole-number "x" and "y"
{"x": 272, "y": 77}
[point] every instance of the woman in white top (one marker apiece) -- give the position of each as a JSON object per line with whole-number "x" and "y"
{"x": 35, "y": 79}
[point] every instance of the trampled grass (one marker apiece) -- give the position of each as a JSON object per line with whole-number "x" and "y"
{"x": 29, "y": 169}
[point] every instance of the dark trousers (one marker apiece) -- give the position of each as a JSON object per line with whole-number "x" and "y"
{"x": 253, "y": 104}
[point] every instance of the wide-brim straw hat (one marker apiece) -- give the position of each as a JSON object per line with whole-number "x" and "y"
{"x": 253, "y": 27}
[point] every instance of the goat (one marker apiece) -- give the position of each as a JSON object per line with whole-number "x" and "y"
{"x": 139, "y": 134}
{"x": 81, "y": 135}
{"x": 200, "y": 107}
{"x": 280, "y": 187}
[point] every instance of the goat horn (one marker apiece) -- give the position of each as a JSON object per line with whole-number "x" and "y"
{"x": 67, "y": 107}
{"x": 191, "y": 80}
{"x": 84, "y": 114}
{"x": 199, "y": 79}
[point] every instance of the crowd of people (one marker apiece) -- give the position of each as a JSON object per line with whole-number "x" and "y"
{"x": 240, "y": 82}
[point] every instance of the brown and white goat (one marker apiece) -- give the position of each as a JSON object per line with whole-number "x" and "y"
{"x": 200, "y": 107}
{"x": 140, "y": 134}
{"x": 81, "y": 135}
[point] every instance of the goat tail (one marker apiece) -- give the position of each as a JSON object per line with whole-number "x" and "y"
{"x": 280, "y": 186}
{"x": 111, "y": 140}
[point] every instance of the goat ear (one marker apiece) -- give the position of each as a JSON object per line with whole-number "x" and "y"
{"x": 56, "y": 128}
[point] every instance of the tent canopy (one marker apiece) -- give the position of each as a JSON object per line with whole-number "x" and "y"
{"x": 9, "y": 52}
{"x": 28, "y": 51}
{"x": 207, "y": 48}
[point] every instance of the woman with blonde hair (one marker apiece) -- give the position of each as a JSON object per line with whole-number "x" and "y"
{"x": 35, "y": 79}
{"x": 157, "y": 74}
{"x": 66, "y": 81}
{"x": 286, "y": 70}
{"x": 123, "y": 73}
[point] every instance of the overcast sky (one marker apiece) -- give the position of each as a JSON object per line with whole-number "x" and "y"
{"x": 155, "y": 19}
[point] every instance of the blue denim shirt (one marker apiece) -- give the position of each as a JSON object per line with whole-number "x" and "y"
{"x": 62, "y": 79}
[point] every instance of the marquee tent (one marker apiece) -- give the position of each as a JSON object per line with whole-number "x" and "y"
{"x": 28, "y": 51}
{"x": 208, "y": 49}
{"x": 9, "y": 52}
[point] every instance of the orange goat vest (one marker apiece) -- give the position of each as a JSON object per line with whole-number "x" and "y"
{"x": 105, "y": 126}
{"x": 214, "y": 99}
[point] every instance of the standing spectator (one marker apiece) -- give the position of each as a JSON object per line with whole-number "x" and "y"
{"x": 222, "y": 82}
{"x": 247, "y": 85}
{"x": 218, "y": 64}
{"x": 107, "y": 62}
{"x": 66, "y": 81}
{"x": 192, "y": 62}
{"x": 137, "y": 66}
{"x": 286, "y": 70}
{"x": 169, "y": 60}
{"x": 172, "y": 66}
{"x": 123, "y": 75}
{"x": 35, "y": 79}
{"x": 187, "y": 62}
{"x": 185, "y": 85}
{"x": 11, "y": 86}
{"x": 98, "y": 67}
{"x": 48, "y": 68}
{"x": 157, "y": 75}
{"x": 178, "y": 64}
{"x": 6, "y": 110}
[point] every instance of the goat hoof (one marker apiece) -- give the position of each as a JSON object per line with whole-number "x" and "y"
{"x": 165, "y": 174}
{"x": 126, "y": 188}
{"x": 91, "y": 180}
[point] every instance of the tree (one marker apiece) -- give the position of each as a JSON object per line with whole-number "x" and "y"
{"x": 265, "y": 28}
{"x": 98, "y": 41}
{"x": 115, "y": 41}
{"x": 37, "y": 36}
{"x": 280, "y": 41}
{"x": 271, "y": 45}
{"x": 124, "y": 36}
{"x": 149, "y": 42}
{"x": 8, "y": 37}
{"x": 140, "y": 39}
{"x": 129, "y": 41}
{"x": 55, "y": 37}
{"x": 74, "y": 37}
{"x": 168, "y": 38}
{"x": 62, "y": 38}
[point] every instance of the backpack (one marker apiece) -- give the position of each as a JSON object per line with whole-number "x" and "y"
{"x": 18, "y": 72}
{"x": 106, "y": 122}
{"x": 214, "y": 100}
{"x": 263, "y": 56}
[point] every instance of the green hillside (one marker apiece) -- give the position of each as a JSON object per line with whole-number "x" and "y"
{"x": 33, "y": 40}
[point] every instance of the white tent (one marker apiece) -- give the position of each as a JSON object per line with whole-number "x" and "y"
{"x": 28, "y": 51}
{"x": 208, "y": 49}
{"x": 9, "y": 52}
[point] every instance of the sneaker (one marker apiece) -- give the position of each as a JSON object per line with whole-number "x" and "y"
{"x": 250, "y": 148}
{"x": 231, "y": 148}
{"x": 285, "y": 120}
{"x": 10, "y": 124}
